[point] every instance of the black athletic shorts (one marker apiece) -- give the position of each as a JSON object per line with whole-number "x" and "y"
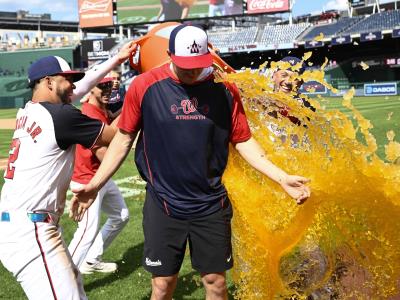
{"x": 165, "y": 240}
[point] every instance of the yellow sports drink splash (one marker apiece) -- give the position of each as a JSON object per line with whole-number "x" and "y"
{"x": 344, "y": 242}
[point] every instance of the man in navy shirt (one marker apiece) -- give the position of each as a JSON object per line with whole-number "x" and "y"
{"x": 186, "y": 122}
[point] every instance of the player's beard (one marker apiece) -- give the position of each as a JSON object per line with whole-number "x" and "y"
{"x": 64, "y": 95}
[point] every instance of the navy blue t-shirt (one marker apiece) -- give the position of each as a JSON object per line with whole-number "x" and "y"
{"x": 183, "y": 144}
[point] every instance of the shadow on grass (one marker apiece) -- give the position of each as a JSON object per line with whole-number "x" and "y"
{"x": 130, "y": 262}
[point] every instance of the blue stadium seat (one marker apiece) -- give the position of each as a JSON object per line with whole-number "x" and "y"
{"x": 380, "y": 21}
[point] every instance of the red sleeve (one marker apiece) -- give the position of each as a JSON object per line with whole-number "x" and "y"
{"x": 240, "y": 131}
{"x": 130, "y": 120}
{"x": 131, "y": 115}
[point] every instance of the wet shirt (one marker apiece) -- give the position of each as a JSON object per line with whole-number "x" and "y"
{"x": 183, "y": 145}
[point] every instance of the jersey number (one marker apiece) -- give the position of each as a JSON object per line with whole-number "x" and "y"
{"x": 14, "y": 150}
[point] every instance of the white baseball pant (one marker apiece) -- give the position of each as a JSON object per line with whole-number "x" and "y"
{"x": 88, "y": 243}
{"x": 37, "y": 256}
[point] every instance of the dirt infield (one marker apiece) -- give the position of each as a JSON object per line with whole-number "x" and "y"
{"x": 7, "y": 123}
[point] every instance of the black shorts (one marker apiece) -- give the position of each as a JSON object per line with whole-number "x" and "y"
{"x": 165, "y": 240}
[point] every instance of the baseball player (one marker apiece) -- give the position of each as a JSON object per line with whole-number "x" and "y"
{"x": 114, "y": 105}
{"x": 287, "y": 81}
{"x": 98, "y": 72}
{"x": 186, "y": 122}
{"x": 88, "y": 244}
{"x": 37, "y": 177}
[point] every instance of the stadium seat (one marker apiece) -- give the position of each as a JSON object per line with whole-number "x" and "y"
{"x": 380, "y": 21}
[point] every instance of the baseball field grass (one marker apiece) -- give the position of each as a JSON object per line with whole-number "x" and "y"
{"x": 142, "y": 11}
{"x": 8, "y": 113}
{"x": 131, "y": 281}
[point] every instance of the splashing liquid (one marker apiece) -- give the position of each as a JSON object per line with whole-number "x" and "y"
{"x": 344, "y": 242}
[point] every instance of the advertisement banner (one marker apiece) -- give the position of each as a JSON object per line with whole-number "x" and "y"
{"x": 396, "y": 33}
{"x": 267, "y": 6}
{"x": 312, "y": 88}
{"x": 94, "y": 13}
{"x": 314, "y": 44}
{"x": 151, "y": 11}
{"x": 356, "y": 3}
{"x": 380, "y": 89}
{"x": 341, "y": 40}
{"x": 371, "y": 36}
{"x": 98, "y": 49}
{"x": 393, "y": 62}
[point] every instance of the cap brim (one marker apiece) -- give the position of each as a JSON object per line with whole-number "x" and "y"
{"x": 106, "y": 79}
{"x": 192, "y": 62}
{"x": 76, "y": 75}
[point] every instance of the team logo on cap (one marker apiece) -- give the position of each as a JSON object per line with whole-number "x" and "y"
{"x": 194, "y": 48}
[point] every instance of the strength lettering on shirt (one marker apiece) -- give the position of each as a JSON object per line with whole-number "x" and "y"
{"x": 190, "y": 117}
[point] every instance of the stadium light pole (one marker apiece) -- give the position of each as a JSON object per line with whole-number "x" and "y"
{"x": 291, "y": 3}
{"x": 376, "y": 6}
{"x": 349, "y": 9}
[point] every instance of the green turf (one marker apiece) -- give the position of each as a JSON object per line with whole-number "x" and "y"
{"x": 5, "y": 140}
{"x": 144, "y": 15}
{"x": 8, "y": 113}
{"x": 132, "y": 282}
{"x": 377, "y": 110}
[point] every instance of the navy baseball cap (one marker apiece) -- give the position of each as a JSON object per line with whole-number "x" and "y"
{"x": 188, "y": 46}
{"x": 51, "y": 65}
{"x": 294, "y": 61}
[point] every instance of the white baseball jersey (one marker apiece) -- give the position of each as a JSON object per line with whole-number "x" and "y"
{"x": 42, "y": 155}
{"x": 36, "y": 179}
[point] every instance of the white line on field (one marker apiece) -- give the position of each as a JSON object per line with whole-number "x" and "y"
{"x": 125, "y": 191}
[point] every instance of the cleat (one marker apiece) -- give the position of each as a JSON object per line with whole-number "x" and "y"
{"x": 100, "y": 266}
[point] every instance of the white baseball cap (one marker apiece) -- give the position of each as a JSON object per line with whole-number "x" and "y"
{"x": 188, "y": 46}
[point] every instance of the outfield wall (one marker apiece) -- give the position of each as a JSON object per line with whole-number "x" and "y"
{"x": 13, "y": 73}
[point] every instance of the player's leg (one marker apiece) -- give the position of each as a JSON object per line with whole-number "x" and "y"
{"x": 215, "y": 285}
{"x": 114, "y": 206}
{"x": 87, "y": 230}
{"x": 221, "y": 9}
{"x": 164, "y": 247}
{"x": 212, "y": 10}
{"x": 37, "y": 256}
{"x": 54, "y": 268}
{"x": 211, "y": 250}
{"x": 163, "y": 287}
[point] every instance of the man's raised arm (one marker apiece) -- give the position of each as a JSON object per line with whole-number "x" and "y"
{"x": 98, "y": 72}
